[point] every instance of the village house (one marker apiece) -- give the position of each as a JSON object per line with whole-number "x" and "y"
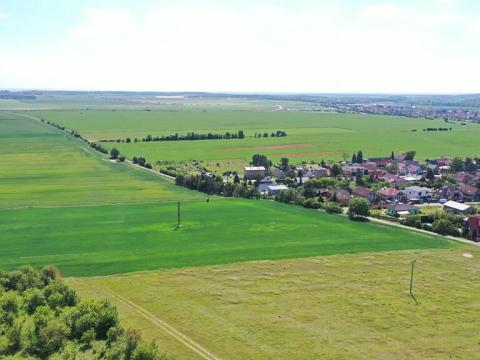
{"x": 397, "y": 210}
{"x": 321, "y": 172}
{"x": 262, "y": 185}
{"x": 463, "y": 177}
{"x": 254, "y": 172}
{"x": 391, "y": 195}
{"x": 352, "y": 170}
{"x": 470, "y": 193}
{"x": 380, "y": 162}
{"x": 450, "y": 192}
{"x": 474, "y": 226}
{"x": 342, "y": 197}
{"x": 365, "y": 193}
{"x": 278, "y": 173}
{"x": 418, "y": 193}
{"x": 454, "y": 207}
{"x": 273, "y": 190}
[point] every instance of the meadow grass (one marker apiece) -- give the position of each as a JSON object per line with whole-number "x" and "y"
{"x": 100, "y": 240}
{"x": 311, "y": 136}
{"x": 354, "y": 306}
{"x": 41, "y": 166}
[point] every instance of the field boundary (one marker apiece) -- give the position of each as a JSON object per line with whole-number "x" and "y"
{"x": 162, "y": 325}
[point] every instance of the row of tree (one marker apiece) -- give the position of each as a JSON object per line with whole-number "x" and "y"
{"x": 194, "y": 136}
{"x": 41, "y": 317}
{"x": 278, "y": 133}
{"x": 141, "y": 162}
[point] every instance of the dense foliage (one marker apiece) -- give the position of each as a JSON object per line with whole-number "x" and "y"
{"x": 42, "y": 318}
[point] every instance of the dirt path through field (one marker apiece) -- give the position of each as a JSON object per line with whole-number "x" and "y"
{"x": 162, "y": 325}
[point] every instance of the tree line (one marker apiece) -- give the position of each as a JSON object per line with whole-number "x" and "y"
{"x": 41, "y": 317}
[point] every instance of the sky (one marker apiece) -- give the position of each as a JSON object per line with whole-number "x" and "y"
{"x": 289, "y": 46}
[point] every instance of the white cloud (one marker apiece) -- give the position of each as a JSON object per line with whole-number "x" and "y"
{"x": 3, "y": 16}
{"x": 382, "y": 12}
{"x": 261, "y": 48}
{"x": 445, "y": 2}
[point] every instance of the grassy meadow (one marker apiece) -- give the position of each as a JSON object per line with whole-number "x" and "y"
{"x": 353, "y": 306}
{"x": 41, "y": 166}
{"x": 101, "y": 240}
{"x": 311, "y": 136}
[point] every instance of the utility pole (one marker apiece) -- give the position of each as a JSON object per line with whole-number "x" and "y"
{"x": 178, "y": 214}
{"x": 411, "y": 281}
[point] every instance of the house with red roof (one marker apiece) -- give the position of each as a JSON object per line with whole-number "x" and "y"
{"x": 474, "y": 225}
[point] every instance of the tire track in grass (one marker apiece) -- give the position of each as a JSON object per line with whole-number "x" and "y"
{"x": 162, "y": 325}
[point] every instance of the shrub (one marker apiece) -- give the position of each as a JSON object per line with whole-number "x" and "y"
{"x": 332, "y": 207}
{"x": 358, "y": 208}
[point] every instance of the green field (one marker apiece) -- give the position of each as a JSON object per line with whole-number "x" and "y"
{"x": 311, "y": 136}
{"x": 43, "y": 167}
{"x": 87, "y": 241}
{"x": 332, "y": 307}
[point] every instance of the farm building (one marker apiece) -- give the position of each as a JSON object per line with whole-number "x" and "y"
{"x": 454, "y": 207}
{"x": 262, "y": 185}
{"x": 254, "y": 172}
{"x": 402, "y": 210}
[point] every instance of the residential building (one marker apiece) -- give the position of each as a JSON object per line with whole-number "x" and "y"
{"x": 418, "y": 193}
{"x": 275, "y": 189}
{"x": 365, "y": 193}
{"x": 254, "y": 172}
{"x": 474, "y": 226}
{"x": 470, "y": 192}
{"x": 397, "y": 210}
{"x": 391, "y": 195}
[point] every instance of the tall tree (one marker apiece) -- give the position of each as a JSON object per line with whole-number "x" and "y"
{"x": 336, "y": 170}
{"x": 354, "y": 158}
{"x": 114, "y": 153}
{"x": 392, "y": 156}
{"x": 284, "y": 163}
{"x": 457, "y": 164}
{"x": 410, "y": 155}
{"x": 360, "y": 157}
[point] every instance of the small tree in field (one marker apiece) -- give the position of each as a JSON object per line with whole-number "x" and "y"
{"x": 359, "y": 208}
{"x": 114, "y": 153}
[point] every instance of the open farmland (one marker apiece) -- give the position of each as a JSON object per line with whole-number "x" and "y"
{"x": 41, "y": 166}
{"x": 311, "y": 136}
{"x": 99, "y": 240}
{"x": 342, "y": 306}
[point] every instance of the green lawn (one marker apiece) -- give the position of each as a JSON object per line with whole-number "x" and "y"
{"x": 40, "y": 166}
{"x": 87, "y": 241}
{"x": 311, "y": 136}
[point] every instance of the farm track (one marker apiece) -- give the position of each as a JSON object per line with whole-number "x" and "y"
{"x": 453, "y": 238}
{"x": 162, "y": 325}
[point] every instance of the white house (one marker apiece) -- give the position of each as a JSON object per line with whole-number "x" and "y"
{"x": 418, "y": 193}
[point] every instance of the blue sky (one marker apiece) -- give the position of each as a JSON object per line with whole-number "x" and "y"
{"x": 428, "y": 46}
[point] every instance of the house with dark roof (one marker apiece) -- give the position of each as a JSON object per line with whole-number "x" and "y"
{"x": 365, "y": 193}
